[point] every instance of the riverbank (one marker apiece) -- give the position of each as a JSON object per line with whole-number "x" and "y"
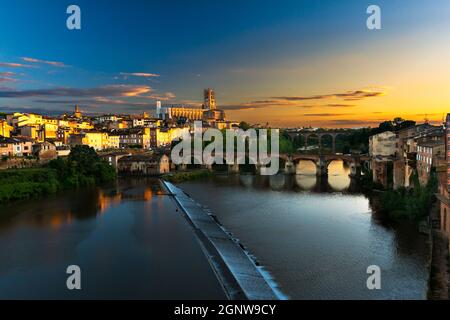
{"x": 239, "y": 275}
{"x": 183, "y": 176}
{"x": 83, "y": 168}
{"x": 22, "y": 184}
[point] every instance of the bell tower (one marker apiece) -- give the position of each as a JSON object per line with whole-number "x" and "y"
{"x": 77, "y": 113}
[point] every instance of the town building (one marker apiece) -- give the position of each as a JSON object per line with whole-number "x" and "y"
{"x": 447, "y": 149}
{"x": 18, "y": 119}
{"x": 135, "y": 137}
{"x": 209, "y": 97}
{"x": 113, "y": 157}
{"x": 77, "y": 113}
{"x": 444, "y": 183}
{"x": 31, "y": 131}
{"x": 383, "y": 151}
{"x": 162, "y": 137}
{"x": 45, "y": 151}
{"x": 6, "y": 147}
{"x": 62, "y": 151}
{"x": 383, "y": 145}
{"x": 208, "y": 111}
{"x": 5, "y": 129}
{"x": 22, "y": 146}
{"x": 113, "y": 141}
{"x": 142, "y": 164}
{"x": 427, "y": 153}
{"x": 95, "y": 139}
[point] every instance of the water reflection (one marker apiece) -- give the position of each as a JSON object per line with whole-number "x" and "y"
{"x": 127, "y": 238}
{"x": 338, "y": 179}
{"x": 317, "y": 235}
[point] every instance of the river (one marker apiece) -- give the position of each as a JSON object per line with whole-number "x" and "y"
{"x": 315, "y": 239}
{"x": 128, "y": 239}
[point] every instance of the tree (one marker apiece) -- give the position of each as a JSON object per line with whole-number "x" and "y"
{"x": 244, "y": 125}
{"x": 83, "y": 167}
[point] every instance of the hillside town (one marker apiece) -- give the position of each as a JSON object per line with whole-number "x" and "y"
{"x": 33, "y": 136}
{"x": 141, "y": 144}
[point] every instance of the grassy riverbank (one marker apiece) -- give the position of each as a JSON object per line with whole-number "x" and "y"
{"x": 20, "y": 184}
{"x": 82, "y": 168}
{"x": 177, "y": 177}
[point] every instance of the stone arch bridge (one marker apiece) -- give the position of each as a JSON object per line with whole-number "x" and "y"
{"x": 307, "y": 134}
{"x": 355, "y": 162}
{"x": 321, "y": 161}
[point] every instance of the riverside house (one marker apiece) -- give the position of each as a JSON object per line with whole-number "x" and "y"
{"x": 144, "y": 164}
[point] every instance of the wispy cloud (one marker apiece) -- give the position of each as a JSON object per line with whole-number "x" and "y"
{"x": 7, "y": 74}
{"x": 163, "y": 97}
{"x": 349, "y": 96}
{"x": 47, "y": 62}
{"x": 7, "y": 79}
{"x": 139, "y": 74}
{"x": 296, "y": 101}
{"x": 14, "y": 65}
{"x": 105, "y": 91}
{"x": 339, "y": 105}
{"x": 352, "y": 123}
{"x": 264, "y": 104}
{"x": 93, "y": 102}
{"x": 326, "y": 114}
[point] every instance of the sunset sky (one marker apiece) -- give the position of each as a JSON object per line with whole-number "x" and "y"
{"x": 288, "y": 62}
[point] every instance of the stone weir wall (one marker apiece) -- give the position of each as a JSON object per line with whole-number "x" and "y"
{"x": 237, "y": 272}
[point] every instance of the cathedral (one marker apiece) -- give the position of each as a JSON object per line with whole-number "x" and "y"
{"x": 208, "y": 112}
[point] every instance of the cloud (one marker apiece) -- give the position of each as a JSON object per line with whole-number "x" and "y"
{"x": 326, "y": 114}
{"x": 7, "y": 74}
{"x": 51, "y": 63}
{"x": 348, "y": 96}
{"x": 339, "y": 105}
{"x": 92, "y": 102}
{"x": 352, "y": 123}
{"x": 163, "y": 97}
{"x": 7, "y": 79}
{"x": 104, "y": 91}
{"x": 14, "y": 65}
{"x": 296, "y": 101}
{"x": 139, "y": 74}
{"x": 264, "y": 104}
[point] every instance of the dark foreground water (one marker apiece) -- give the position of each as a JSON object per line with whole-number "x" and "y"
{"x": 128, "y": 240}
{"x": 317, "y": 238}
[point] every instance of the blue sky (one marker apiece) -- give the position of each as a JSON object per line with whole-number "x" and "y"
{"x": 248, "y": 51}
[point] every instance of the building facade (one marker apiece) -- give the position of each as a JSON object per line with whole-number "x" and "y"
{"x": 45, "y": 151}
{"x": 5, "y": 129}
{"x": 144, "y": 164}
{"x": 443, "y": 170}
{"x": 427, "y": 154}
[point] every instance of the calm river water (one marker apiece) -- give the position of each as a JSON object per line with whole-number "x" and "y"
{"x": 317, "y": 238}
{"x": 128, "y": 240}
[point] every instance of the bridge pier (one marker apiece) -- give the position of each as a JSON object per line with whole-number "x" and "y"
{"x": 355, "y": 170}
{"x": 379, "y": 172}
{"x": 399, "y": 174}
{"x": 409, "y": 170}
{"x": 289, "y": 167}
{"x": 321, "y": 167}
{"x": 233, "y": 168}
